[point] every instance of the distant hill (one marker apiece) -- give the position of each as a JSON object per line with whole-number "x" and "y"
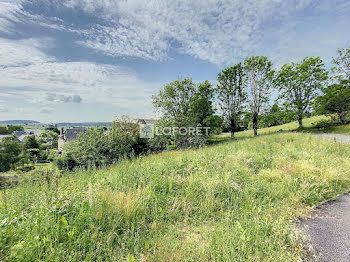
{"x": 19, "y": 122}
{"x": 85, "y": 124}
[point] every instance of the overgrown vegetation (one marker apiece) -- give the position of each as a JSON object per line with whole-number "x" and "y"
{"x": 234, "y": 201}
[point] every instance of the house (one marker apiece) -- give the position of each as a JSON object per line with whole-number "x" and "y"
{"x": 21, "y": 135}
{"x": 3, "y": 136}
{"x": 149, "y": 122}
{"x": 69, "y": 134}
{"x": 51, "y": 127}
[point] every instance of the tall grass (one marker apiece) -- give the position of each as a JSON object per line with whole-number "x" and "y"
{"x": 235, "y": 201}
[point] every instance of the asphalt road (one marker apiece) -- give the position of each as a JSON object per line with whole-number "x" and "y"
{"x": 329, "y": 226}
{"x": 329, "y": 230}
{"x": 345, "y": 139}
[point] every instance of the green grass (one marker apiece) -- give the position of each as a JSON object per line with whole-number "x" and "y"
{"x": 236, "y": 201}
{"x": 292, "y": 126}
{"x": 341, "y": 129}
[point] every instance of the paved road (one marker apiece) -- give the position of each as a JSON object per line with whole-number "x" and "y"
{"x": 329, "y": 226}
{"x": 329, "y": 230}
{"x": 336, "y": 137}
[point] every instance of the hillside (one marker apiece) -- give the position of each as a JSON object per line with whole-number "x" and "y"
{"x": 233, "y": 201}
{"x": 19, "y": 122}
{"x": 293, "y": 126}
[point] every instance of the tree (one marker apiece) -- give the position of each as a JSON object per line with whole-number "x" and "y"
{"x": 174, "y": 99}
{"x": 277, "y": 115}
{"x": 301, "y": 83}
{"x": 342, "y": 64}
{"x": 10, "y": 154}
{"x": 232, "y": 96}
{"x": 335, "y": 100}
{"x": 201, "y": 104}
{"x": 97, "y": 147}
{"x": 50, "y": 138}
{"x": 30, "y": 142}
{"x": 258, "y": 78}
{"x": 185, "y": 104}
{"x": 9, "y": 130}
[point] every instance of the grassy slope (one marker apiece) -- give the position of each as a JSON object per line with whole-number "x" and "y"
{"x": 293, "y": 126}
{"x": 235, "y": 201}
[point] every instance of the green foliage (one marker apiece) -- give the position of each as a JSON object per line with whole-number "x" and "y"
{"x": 335, "y": 100}
{"x": 277, "y": 115}
{"x": 174, "y": 99}
{"x": 66, "y": 162}
{"x": 48, "y": 139}
{"x": 9, "y": 130}
{"x": 342, "y": 64}
{"x": 232, "y": 96}
{"x": 30, "y": 142}
{"x": 300, "y": 84}
{"x": 185, "y": 104}
{"x": 236, "y": 201}
{"x": 10, "y": 154}
{"x": 98, "y": 147}
{"x": 201, "y": 104}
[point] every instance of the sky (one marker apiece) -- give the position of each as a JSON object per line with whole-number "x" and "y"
{"x": 95, "y": 60}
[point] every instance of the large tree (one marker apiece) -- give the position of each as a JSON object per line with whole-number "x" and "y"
{"x": 231, "y": 95}
{"x": 201, "y": 104}
{"x": 300, "y": 84}
{"x": 335, "y": 100}
{"x": 174, "y": 100}
{"x": 258, "y": 78}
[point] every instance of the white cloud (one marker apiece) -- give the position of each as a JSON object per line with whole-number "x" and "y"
{"x": 220, "y": 32}
{"x": 23, "y": 52}
{"x": 46, "y": 110}
{"x": 4, "y": 109}
{"x": 42, "y": 80}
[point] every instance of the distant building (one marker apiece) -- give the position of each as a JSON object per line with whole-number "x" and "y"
{"x": 21, "y": 135}
{"x": 3, "y": 136}
{"x": 69, "y": 134}
{"x": 51, "y": 127}
{"x": 142, "y": 121}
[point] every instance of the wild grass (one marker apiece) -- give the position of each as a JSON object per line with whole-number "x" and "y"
{"x": 341, "y": 129}
{"x": 235, "y": 201}
{"x": 308, "y": 124}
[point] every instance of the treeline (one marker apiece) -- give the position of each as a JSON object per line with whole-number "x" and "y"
{"x": 7, "y": 130}
{"x": 240, "y": 100}
{"x": 243, "y": 95}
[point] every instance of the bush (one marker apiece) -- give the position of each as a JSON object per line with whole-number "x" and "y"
{"x": 323, "y": 124}
{"x": 99, "y": 147}
{"x": 66, "y": 162}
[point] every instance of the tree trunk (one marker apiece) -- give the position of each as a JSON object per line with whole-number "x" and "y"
{"x": 255, "y": 124}
{"x": 233, "y": 126}
{"x": 341, "y": 118}
{"x": 300, "y": 120}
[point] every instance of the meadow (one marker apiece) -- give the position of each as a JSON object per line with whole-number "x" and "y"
{"x": 234, "y": 201}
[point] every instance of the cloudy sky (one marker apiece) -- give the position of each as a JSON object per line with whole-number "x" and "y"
{"x": 92, "y": 60}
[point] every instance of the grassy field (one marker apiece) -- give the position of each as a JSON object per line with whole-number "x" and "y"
{"x": 292, "y": 126}
{"x": 342, "y": 129}
{"x": 235, "y": 201}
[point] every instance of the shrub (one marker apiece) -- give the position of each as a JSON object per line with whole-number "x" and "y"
{"x": 66, "y": 162}
{"x": 323, "y": 124}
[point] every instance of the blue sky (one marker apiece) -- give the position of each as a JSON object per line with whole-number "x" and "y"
{"x": 91, "y": 60}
